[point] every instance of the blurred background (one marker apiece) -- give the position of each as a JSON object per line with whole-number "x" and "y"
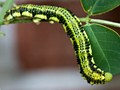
{"x": 41, "y": 57}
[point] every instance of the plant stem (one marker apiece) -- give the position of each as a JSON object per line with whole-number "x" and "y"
{"x": 81, "y": 19}
{"x": 101, "y": 22}
{"x": 17, "y": 21}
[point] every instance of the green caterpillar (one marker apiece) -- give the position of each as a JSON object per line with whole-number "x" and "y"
{"x": 75, "y": 31}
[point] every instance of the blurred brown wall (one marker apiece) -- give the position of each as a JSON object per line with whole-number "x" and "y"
{"x": 48, "y": 45}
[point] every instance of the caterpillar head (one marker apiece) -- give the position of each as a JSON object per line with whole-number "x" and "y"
{"x": 8, "y": 15}
{"x": 12, "y": 14}
{"x": 108, "y": 76}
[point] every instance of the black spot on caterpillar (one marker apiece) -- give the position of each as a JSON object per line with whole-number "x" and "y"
{"x": 75, "y": 31}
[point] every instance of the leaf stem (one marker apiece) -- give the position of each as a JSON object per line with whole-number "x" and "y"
{"x": 101, "y": 22}
{"x": 87, "y": 19}
{"x": 81, "y": 19}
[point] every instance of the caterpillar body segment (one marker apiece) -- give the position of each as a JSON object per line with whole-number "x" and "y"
{"x": 75, "y": 31}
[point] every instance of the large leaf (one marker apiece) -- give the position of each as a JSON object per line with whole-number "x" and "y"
{"x": 99, "y": 6}
{"x": 105, "y": 45}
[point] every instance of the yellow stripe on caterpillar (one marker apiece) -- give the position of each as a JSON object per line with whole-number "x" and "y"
{"x": 27, "y": 14}
{"x": 41, "y": 16}
{"x": 16, "y": 14}
{"x": 54, "y": 19}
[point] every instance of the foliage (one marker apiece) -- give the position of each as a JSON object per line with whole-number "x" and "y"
{"x": 105, "y": 42}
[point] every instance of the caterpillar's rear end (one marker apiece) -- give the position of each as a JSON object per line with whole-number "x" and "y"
{"x": 75, "y": 31}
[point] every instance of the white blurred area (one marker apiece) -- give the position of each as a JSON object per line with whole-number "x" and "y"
{"x": 13, "y": 78}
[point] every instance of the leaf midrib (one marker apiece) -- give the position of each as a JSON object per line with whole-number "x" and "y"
{"x": 94, "y": 6}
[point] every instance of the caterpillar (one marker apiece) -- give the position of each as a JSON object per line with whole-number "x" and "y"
{"x": 72, "y": 25}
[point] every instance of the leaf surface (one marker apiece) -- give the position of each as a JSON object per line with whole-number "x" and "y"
{"x": 99, "y": 6}
{"x": 105, "y": 45}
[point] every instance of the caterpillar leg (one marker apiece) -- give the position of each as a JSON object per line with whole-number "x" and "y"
{"x": 51, "y": 22}
{"x": 37, "y": 18}
{"x": 36, "y": 21}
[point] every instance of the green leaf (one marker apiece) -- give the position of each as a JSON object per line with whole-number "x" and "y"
{"x": 105, "y": 45}
{"x": 99, "y": 6}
